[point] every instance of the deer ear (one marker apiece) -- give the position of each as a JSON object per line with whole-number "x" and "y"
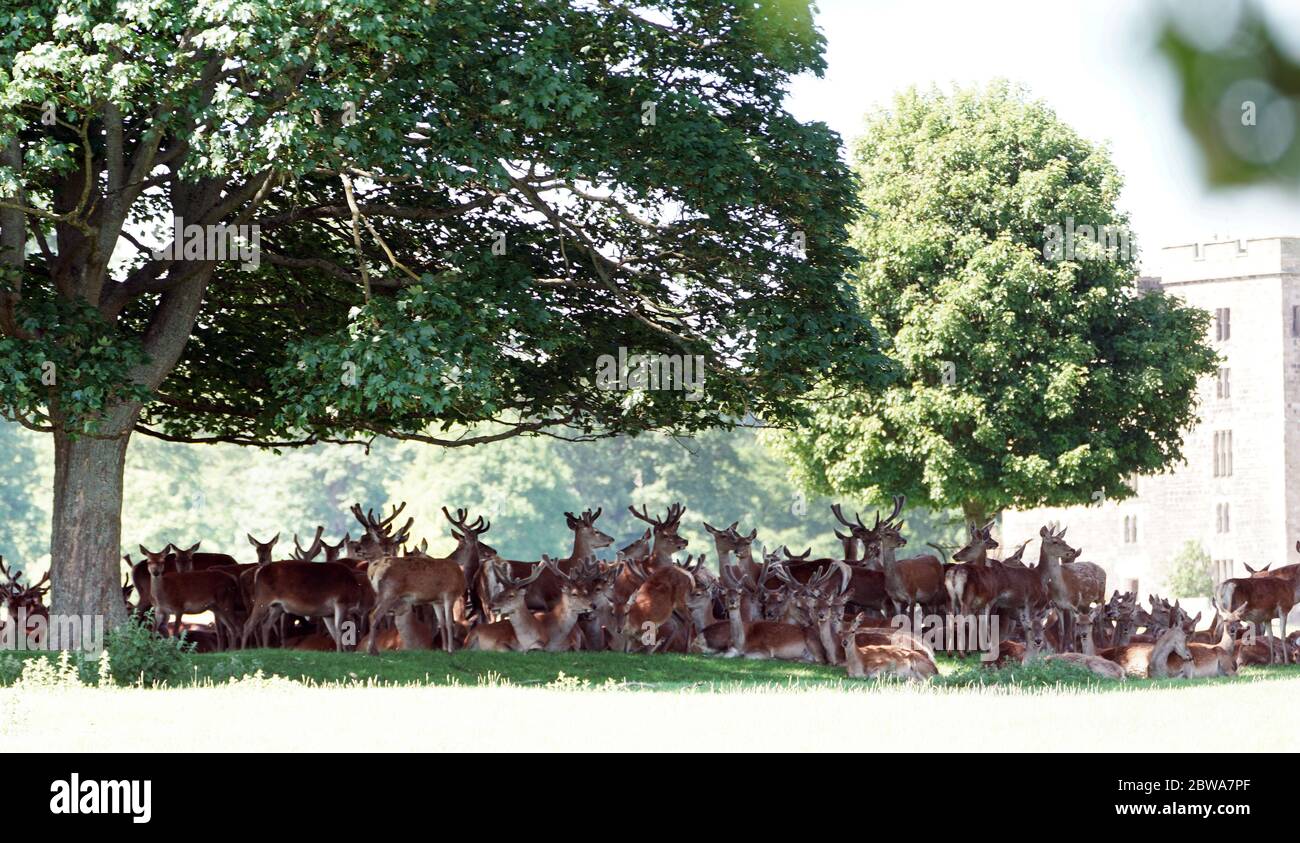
{"x": 192, "y": 549}
{"x": 145, "y": 552}
{"x": 250, "y": 538}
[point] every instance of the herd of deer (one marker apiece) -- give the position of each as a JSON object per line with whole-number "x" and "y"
{"x": 376, "y": 593}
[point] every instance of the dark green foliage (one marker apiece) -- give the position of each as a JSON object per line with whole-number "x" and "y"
{"x": 1026, "y": 377}
{"x": 140, "y": 656}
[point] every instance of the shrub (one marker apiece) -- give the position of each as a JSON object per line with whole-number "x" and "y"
{"x": 138, "y": 655}
{"x": 1189, "y": 573}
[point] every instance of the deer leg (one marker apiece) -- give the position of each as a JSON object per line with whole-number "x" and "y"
{"x": 1281, "y": 614}
{"x": 254, "y": 622}
{"x": 382, "y": 607}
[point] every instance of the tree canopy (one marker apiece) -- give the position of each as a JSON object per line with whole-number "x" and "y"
{"x": 1034, "y": 371}
{"x": 457, "y": 206}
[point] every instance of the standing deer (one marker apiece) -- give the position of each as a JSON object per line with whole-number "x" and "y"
{"x": 1259, "y": 600}
{"x": 1072, "y": 588}
{"x": 913, "y": 582}
{"x": 405, "y": 582}
{"x": 185, "y": 591}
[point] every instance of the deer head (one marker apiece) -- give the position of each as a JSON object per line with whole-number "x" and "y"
{"x": 156, "y": 562}
{"x": 514, "y": 590}
{"x": 184, "y": 558}
{"x": 666, "y": 540}
{"x": 584, "y": 530}
{"x": 263, "y": 548}
{"x": 978, "y": 545}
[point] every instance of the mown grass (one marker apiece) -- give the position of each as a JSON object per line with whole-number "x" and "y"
{"x": 664, "y": 672}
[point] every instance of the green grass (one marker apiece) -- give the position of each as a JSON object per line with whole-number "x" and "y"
{"x": 665, "y": 672}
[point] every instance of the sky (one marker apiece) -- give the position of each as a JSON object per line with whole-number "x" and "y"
{"x": 1094, "y": 63}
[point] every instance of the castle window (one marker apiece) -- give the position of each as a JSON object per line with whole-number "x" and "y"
{"x": 1295, "y": 320}
{"x": 1222, "y": 570}
{"x": 1223, "y": 453}
{"x": 1130, "y": 529}
{"x": 1221, "y": 524}
{"x": 1223, "y": 387}
{"x": 1222, "y": 323}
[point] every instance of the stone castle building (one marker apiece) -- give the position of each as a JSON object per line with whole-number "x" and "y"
{"x": 1232, "y": 495}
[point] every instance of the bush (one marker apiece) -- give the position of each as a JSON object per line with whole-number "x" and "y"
{"x": 1189, "y": 573}
{"x": 138, "y": 655}
{"x": 1039, "y": 673}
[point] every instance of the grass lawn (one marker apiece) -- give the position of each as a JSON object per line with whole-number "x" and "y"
{"x": 514, "y": 702}
{"x": 665, "y": 672}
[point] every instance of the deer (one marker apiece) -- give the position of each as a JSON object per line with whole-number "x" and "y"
{"x": 402, "y": 583}
{"x": 545, "y": 590}
{"x": 378, "y": 541}
{"x": 909, "y": 582}
{"x": 852, "y": 540}
{"x": 329, "y": 590}
{"x": 522, "y": 630}
{"x": 764, "y": 639}
{"x": 1259, "y": 600}
{"x": 666, "y": 540}
{"x": 661, "y": 592}
{"x": 25, "y": 606}
{"x": 1092, "y": 662}
{"x": 185, "y": 591}
{"x": 263, "y": 549}
{"x": 1152, "y": 659}
{"x": 875, "y": 660}
{"x": 730, "y": 543}
{"x": 602, "y": 626}
{"x": 972, "y": 586}
{"x": 1071, "y": 588}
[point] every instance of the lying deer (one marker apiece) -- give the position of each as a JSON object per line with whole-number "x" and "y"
{"x": 764, "y": 639}
{"x": 874, "y": 660}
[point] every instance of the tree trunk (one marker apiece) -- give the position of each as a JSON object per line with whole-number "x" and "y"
{"x": 86, "y": 538}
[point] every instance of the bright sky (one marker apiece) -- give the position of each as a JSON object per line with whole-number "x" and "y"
{"x": 1093, "y": 62}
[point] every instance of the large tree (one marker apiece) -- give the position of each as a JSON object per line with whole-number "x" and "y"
{"x": 461, "y": 204}
{"x": 1034, "y": 370}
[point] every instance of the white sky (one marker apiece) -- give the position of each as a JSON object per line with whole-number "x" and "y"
{"x": 1093, "y": 62}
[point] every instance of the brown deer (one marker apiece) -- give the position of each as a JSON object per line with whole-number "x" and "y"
{"x": 329, "y": 590}
{"x": 1153, "y": 659}
{"x": 913, "y": 582}
{"x": 1090, "y": 661}
{"x": 875, "y": 660}
{"x": 404, "y": 582}
{"x": 730, "y": 543}
{"x": 25, "y": 605}
{"x": 764, "y": 639}
{"x": 1259, "y": 600}
{"x": 522, "y": 630}
{"x": 651, "y": 606}
{"x": 189, "y": 592}
{"x": 1072, "y": 588}
{"x": 666, "y": 540}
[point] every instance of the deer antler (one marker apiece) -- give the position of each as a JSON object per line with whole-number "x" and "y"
{"x": 311, "y": 552}
{"x": 839, "y": 513}
{"x": 644, "y": 515}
